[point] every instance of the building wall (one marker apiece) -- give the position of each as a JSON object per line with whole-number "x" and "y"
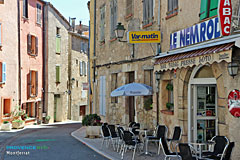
{"x": 9, "y": 53}
{"x": 53, "y": 20}
{"x": 29, "y": 26}
{"x": 78, "y": 95}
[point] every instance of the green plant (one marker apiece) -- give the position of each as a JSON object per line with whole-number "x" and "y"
{"x": 17, "y": 112}
{"x": 169, "y": 87}
{"x": 91, "y": 120}
{"x": 169, "y": 106}
{"x": 5, "y": 122}
{"x": 47, "y": 118}
{"x": 18, "y": 120}
{"x": 148, "y": 104}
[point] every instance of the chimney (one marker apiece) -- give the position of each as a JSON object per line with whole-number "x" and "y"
{"x": 73, "y": 24}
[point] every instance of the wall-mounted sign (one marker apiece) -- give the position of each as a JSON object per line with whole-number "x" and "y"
{"x": 198, "y": 33}
{"x": 234, "y": 103}
{"x": 225, "y": 16}
{"x": 144, "y": 37}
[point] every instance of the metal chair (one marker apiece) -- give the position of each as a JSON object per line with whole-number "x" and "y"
{"x": 166, "y": 150}
{"x": 134, "y": 127}
{"x": 113, "y": 135}
{"x": 186, "y": 153}
{"x": 120, "y": 140}
{"x": 105, "y": 134}
{"x": 161, "y": 132}
{"x": 177, "y": 134}
{"x": 131, "y": 124}
{"x": 221, "y": 143}
{"x": 226, "y": 154}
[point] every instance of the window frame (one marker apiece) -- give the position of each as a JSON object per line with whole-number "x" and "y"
{"x": 102, "y": 22}
{"x": 207, "y": 11}
{"x": 32, "y": 84}
{"x": 113, "y": 18}
{"x": 148, "y": 12}
{"x": 32, "y": 45}
{"x": 39, "y": 13}
{"x": 129, "y": 8}
{"x": 3, "y": 73}
{"x": 25, "y": 9}
{"x": 172, "y": 9}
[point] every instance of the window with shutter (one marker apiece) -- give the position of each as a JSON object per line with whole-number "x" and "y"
{"x": 2, "y": 72}
{"x": 29, "y": 85}
{"x": 58, "y": 44}
{"x": 129, "y": 8}
{"x": 0, "y": 34}
{"x": 57, "y": 74}
{"x": 102, "y": 24}
{"x": 172, "y": 7}
{"x": 25, "y": 8}
{"x": 32, "y": 45}
{"x": 113, "y": 18}
{"x": 147, "y": 11}
{"x": 208, "y": 8}
{"x": 81, "y": 68}
{"x": 39, "y": 13}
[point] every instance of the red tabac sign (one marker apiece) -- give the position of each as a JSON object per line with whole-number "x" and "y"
{"x": 234, "y": 103}
{"x": 225, "y": 16}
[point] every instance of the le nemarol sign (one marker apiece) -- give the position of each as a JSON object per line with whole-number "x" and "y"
{"x": 198, "y": 33}
{"x": 144, "y": 37}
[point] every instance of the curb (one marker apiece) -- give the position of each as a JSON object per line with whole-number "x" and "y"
{"x": 90, "y": 146}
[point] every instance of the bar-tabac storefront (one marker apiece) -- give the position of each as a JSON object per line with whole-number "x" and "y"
{"x": 195, "y": 82}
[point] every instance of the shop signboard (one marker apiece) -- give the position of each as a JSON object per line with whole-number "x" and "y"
{"x": 234, "y": 103}
{"x": 144, "y": 37}
{"x": 225, "y": 16}
{"x": 195, "y": 34}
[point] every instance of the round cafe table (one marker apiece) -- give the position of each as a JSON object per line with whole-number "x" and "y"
{"x": 145, "y": 141}
{"x": 200, "y": 144}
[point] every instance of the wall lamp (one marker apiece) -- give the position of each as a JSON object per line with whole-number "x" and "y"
{"x": 233, "y": 69}
{"x": 119, "y": 32}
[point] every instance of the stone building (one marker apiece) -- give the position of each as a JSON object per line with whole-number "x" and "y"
{"x": 9, "y": 64}
{"x": 193, "y": 66}
{"x": 56, "y": 94}
{"x": 78, "y": 76}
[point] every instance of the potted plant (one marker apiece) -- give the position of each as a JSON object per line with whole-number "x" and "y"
{"x": 17, "y": 113}
{"x": 18, "y": 123}
{"x": 47, "y": 119}
{"x": 170, "y": 106}
{"x": 148, "y": 104}
{"x": 6, "y": 126}
{"x": 169, "y": 87}
{"x": 92, "y": 123}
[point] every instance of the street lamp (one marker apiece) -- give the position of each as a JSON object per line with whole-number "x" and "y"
{"x": 119, "y": 31}
{"x": 233, "y": 69}
{"x": 157, "y": 77}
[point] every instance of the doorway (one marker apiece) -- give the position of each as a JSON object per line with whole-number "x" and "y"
{"x": 56, "y": 102}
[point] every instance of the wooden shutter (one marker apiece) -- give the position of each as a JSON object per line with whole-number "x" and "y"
{"x": 58, "y": 74}
{"x": 115, "y": 16}
{"x": 213, "y": 8}
{"x": 58, "y": 44}
{"x": 102, "y": 24}
{"x": 36, "y": 83}
{"x": 111, "y": 19}
{"x": 29, "y": 85}
{"x": 4, "y": 72}
{"x": 204, "y": 9}
{"x": 29, "y": 44}
{"x": 150, "y": 18}
{"x": 144, "y": 12}
{"x": 102, "y": 95}
{"x": 129, "y": 7}
{"x": 36, "y": 46}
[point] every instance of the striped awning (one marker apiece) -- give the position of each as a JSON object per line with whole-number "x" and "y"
{"x": 201, "y": 56}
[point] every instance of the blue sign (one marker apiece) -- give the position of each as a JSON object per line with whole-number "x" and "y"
{"x": 195, "y": 34}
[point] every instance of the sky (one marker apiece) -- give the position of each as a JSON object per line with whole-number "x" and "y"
{"x": 73, "y": 8}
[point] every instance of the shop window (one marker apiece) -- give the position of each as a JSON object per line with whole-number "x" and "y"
{"x": 57, "y": 73}
{"x": 204, "y": 72}
{"x": 208, "y": 8}
{"x": 147, "y": 12}
{"x": 129, "y": 8}
{"x": 114, "y": 85}
{"x": 6, "y": 107}
{"x": 2, "y": 73}
{"x": 113, "y": 18}
{"x": 25, "y": 8}
{"x": 39, "y": 13}
{"x": 32, "y": 47}
{"x": 172, "y": 7}
{"x": 32, "y": 84}
{"x": 102, "y": 23}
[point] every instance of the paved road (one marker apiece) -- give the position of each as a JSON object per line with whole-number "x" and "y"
{"x": 52, "y": 143}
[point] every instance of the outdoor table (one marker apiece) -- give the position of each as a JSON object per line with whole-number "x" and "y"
{"x": 145, "y": 141}
{"x": 200, "y": 144}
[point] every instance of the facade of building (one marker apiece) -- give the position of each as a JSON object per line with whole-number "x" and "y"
{"x": 78, "y": 76}
{"x": 8, "y": 59}
{"x": 31, "y": 50}
{"x": 56, "y": 94}
{"x": 192, "y": 61}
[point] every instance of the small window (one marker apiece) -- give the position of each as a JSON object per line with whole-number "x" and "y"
{"x": 172, "y": 7}
{"x": 2, "y": 72}
{"x": 6, "y": 106}
{"x": 57, "y": 74}
{"x": 147, "y": 12}
{"x": 32, "y": 84}
{"x": 32, "y": 47}
{"x": 208, "y": 8}
{"x": 39, "y": 13}
{"x": 102, "y": 23}
{"x": 57, "y": 31}
{"x": 25, "y": 8}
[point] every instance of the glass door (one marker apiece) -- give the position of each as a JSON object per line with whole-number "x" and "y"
{"x": 205, "y": 112}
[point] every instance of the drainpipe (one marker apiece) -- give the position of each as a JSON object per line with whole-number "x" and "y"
{"x": 19, "y": 55}
{"x": 89, "y": 76}
{"x": 44, "y": 59}
{"x": 94, "y": 61}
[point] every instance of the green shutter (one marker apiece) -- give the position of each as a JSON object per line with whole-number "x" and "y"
{"x": 213, "y": 8}
{"x": 58, "y": 44}
{"x": 58, "y": 74}
{"x": 204, "y": 9}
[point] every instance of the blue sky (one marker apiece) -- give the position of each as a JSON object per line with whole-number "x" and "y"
{"x": 73, "y": 8}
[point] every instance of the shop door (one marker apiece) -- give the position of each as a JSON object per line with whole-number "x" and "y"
{"x": 205, "y": 112}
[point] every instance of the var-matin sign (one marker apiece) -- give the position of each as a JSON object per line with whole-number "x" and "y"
{"x": 198, "y": 33}
{"x": 144, "y": 37}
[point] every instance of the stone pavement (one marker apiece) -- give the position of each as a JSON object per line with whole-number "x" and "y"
{"x": 109, "y": 153}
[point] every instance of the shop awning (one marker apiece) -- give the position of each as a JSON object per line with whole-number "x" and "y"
{"x": 196, "y": 57}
